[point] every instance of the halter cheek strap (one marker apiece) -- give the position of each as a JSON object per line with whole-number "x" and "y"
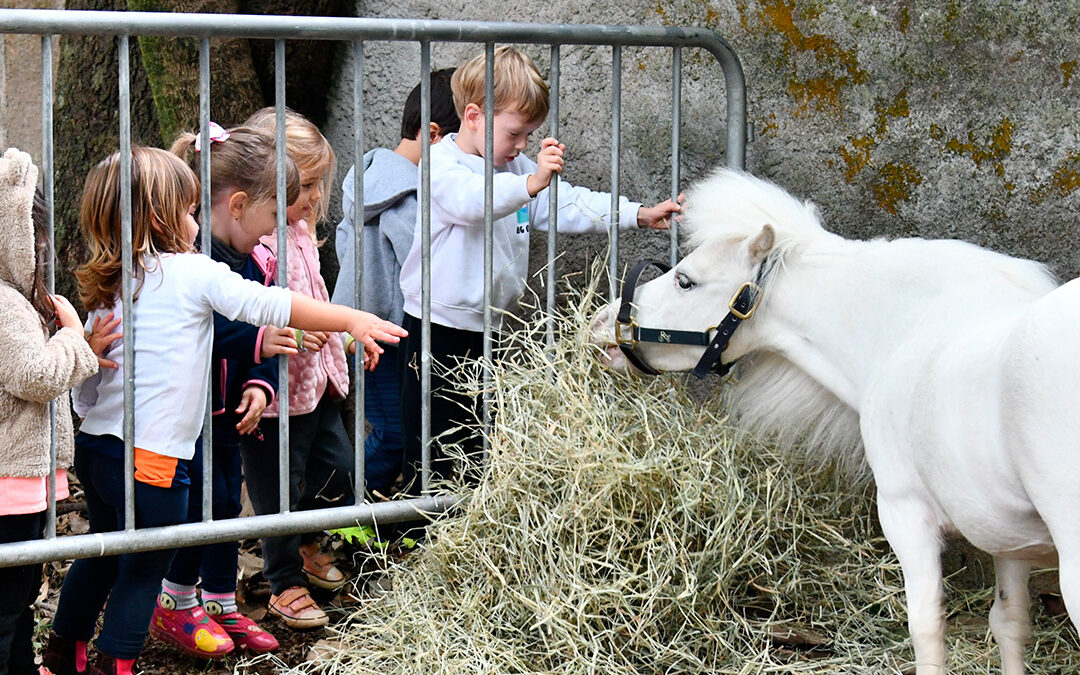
{"x": 741, "y": 307}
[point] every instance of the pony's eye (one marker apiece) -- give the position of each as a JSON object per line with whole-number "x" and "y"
{"x": 684, "y": 281}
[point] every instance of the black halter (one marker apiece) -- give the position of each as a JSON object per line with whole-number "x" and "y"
{"x": 741, "y": 307}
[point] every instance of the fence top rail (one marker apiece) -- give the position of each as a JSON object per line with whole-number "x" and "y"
{"x": 175, "y": 24}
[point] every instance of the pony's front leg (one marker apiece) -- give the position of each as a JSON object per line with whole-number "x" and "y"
{"x": 1010, "y": 618}
{"x": 913, "y": 533}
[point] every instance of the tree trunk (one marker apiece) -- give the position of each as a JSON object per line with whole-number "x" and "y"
{"x": 86, "y": 127}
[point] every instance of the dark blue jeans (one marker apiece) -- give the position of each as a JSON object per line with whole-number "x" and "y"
{"x": 215, "y": 564}
{"x": 20, "y": 587}
{"x": 382, "y": 409}
{"x": 129, "y": 582}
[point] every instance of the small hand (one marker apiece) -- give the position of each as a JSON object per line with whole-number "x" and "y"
{"x": 103, "y": 334}
{"x": 252, "y": 405}
{"x": 659, "y": 217}
{"x": 314, "y": 340}
{"x": 277, "y": 341}
{"x": 66, "y": 315}
{"x": 367, "y": 328}
{"x": 548, "y": 163}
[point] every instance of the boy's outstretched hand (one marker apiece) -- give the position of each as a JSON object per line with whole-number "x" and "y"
{"x": 659, "y": 217}
{"x": 548, "y": 163}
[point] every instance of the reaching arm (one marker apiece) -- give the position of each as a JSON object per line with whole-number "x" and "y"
{"x": 311, "y": 314}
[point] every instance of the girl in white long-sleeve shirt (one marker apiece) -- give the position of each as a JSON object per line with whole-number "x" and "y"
{"x": 175, "y": 294}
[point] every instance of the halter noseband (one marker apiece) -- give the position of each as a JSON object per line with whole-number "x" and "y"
{"x": 628, "y": 333}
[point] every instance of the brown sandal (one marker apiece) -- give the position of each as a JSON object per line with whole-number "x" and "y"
{"x": 298, "y": 609}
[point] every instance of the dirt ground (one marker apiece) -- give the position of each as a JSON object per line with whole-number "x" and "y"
{"x": 253, "y": 592}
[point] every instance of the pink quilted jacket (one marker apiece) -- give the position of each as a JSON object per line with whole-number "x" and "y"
{"x": 310, "y": 373}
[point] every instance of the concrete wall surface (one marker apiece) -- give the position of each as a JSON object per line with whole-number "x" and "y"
{"x": 898, "y": 118}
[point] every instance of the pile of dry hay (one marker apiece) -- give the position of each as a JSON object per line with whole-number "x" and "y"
{"x": 624, "y": 527}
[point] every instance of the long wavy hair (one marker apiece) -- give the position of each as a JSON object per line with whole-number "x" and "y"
{"x": 163, "y": 190}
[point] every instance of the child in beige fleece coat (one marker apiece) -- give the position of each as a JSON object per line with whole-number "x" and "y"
{"x": 37, "y": 366}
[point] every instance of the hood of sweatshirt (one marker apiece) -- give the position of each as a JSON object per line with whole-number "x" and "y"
{"x": 393, "y": 177}
{"x": 18, "y": 178}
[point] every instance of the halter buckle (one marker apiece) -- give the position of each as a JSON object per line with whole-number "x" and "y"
{"x": 629, "y": 341}
{"x": 747, "y": 286}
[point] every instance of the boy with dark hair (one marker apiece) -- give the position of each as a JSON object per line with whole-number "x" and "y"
{"x": 389, "y": 217}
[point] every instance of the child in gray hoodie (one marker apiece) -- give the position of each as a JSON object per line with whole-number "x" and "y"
{"x": 390, "y": 183}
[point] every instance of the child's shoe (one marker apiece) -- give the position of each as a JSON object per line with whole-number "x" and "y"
{"x": 103, "y": 664}
{"x": 245, "y": 633}
{"x": 192, "y": 631}
{"x": 298, "y": 609}
{"x": 63, "y": 656}
{"x": 320, "y": 569}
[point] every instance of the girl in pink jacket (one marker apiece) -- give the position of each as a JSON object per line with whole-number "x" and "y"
{"x": 320, "y": 453}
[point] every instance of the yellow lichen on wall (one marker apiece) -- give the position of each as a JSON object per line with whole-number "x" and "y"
{"x": 1063, "y": 181}
{"x": 1068, "y": 68}
{"x": 819, "y": 92}
{"x": 995, "y": 150}
{"x": 894, "y": 183}
{"x": 858, "y": 157}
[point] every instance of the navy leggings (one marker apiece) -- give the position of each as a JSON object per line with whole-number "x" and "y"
{"x": 215, "y": 564}
{"x": 20, "y": 586}
{"x": 129, "y": 582}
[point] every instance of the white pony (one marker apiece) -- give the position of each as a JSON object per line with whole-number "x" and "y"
{"x": 950, "y": 367}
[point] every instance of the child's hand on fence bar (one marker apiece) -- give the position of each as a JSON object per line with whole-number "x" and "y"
{"x": 277, "y": 341}
{"x": 548, "y": 163}
{"x": 659, "y": 217}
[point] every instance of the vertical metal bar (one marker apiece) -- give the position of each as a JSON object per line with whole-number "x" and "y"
{"x": 359, "y": 411}
{"x": 125, "y": 289}
{"x": 50, "y": 273}
{"x": 553, "y": 205}
{"x": 282, "y": 272}
{"x": 425, "y": 267}
{"x": 204, "y": 173}
{"x": 489, "y": 229}
{"x": 676, "y": 149}
{"x": 616, "y": 136}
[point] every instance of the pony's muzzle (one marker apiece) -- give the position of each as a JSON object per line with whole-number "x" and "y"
{"x": 602, "y": 334}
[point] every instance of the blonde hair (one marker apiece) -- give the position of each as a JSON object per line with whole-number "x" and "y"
{"x": 244, "y": 162}
{"x": 519, "y": 87}
{"x": 308, "y": 148}
{"x": 163, "y": 189}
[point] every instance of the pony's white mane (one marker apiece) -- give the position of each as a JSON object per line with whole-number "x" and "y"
{"x": 734, "y": 204}
{"x": 775, "y": 400}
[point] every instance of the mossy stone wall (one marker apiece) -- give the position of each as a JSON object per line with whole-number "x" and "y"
{"x": 898, "y": 117}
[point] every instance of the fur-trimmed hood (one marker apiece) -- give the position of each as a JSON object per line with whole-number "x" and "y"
{"x": 18, "y": 179}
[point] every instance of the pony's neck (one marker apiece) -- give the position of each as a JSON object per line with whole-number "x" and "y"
{"x": 832, "y": 314}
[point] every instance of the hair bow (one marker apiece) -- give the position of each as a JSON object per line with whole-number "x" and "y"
{"x": 217, "y": 134}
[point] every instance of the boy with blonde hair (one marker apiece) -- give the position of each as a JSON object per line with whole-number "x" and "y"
{"x": 457, "y": 237}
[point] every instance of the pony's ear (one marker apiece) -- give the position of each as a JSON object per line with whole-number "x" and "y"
{"x": 763, "y": 243}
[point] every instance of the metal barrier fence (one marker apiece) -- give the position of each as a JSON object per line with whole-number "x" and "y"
{"x": 123, "y": 25}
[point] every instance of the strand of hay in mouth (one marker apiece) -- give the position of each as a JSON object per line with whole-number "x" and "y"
{"x": 625, "y": 527}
